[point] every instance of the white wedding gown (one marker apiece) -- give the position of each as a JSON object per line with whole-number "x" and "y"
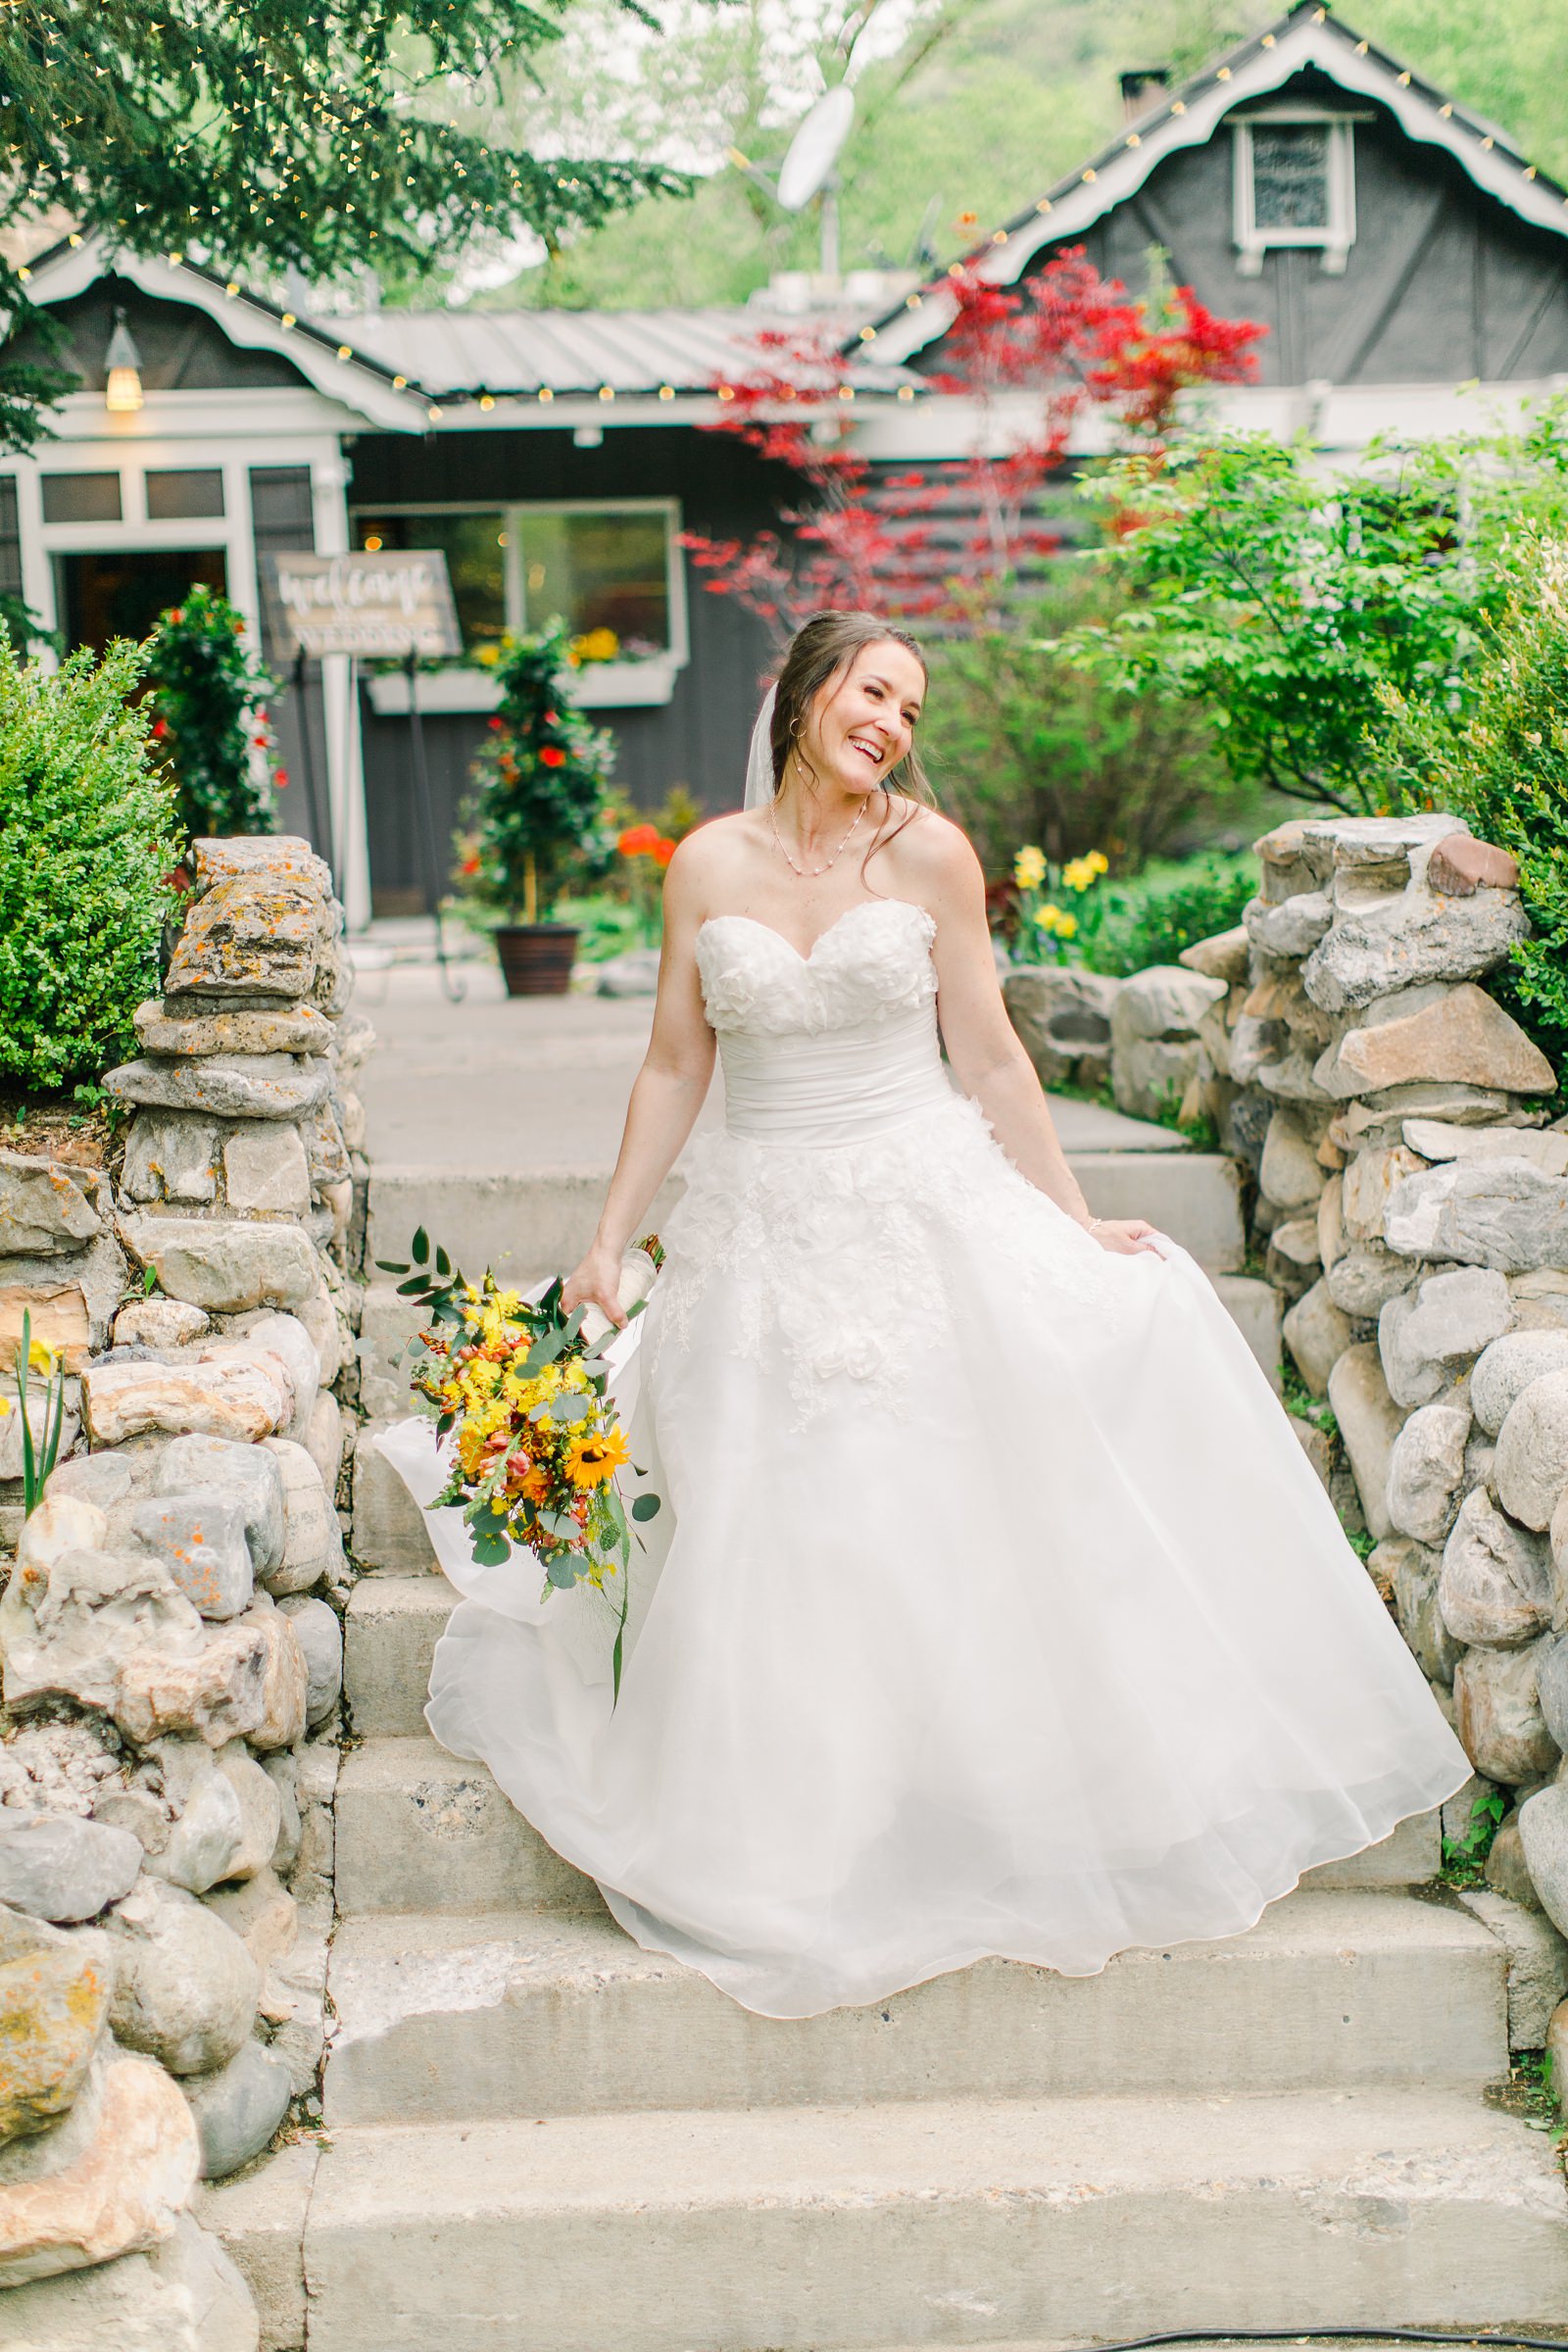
{"x": 993, "y": 1606}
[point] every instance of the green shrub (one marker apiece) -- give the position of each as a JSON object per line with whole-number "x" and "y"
{"x": 1150, "y": 919}
{"x": 85, "y": 848}
{"x": 209, "y": 692}
{"x": 1504, "y": 766}
{"x": 538, "y": 815}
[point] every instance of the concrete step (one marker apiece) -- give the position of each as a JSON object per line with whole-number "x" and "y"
{"x": 531, "y": 1221}
{"x": 420, "y": 1830}
{"x": 1075, "y": 2220}
{"x": 439, "y": 2019}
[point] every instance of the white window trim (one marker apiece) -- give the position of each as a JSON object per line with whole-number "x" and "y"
{"x": 597, "y": 685}
{"x": 1333, "y": 240}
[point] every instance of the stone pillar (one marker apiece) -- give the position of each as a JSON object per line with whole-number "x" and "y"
{"x": 171, "y": 1640}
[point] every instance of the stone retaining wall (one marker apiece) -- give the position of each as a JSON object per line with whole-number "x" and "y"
{"x": 171, "y": 1649}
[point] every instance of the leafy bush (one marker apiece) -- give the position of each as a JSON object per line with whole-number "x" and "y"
{"x": 1150, "y": 919}
{"x": 209, "y": 694}
{"x": 542, "y": 782}
{"x": 85, "y": 848}
{"x": 1027, "y": 747}
{"x": 1504, "y": 766}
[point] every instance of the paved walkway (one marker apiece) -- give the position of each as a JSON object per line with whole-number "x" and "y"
{"x": 541, "y": 1082}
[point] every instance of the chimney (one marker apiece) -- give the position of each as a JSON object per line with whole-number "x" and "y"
{"x": 1141, "y": 88}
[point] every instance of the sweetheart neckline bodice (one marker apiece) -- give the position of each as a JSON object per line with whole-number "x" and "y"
{"x": 859, "y": 906}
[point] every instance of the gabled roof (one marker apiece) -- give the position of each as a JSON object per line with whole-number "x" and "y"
{"x": 330, "y": 362}
{"x": 1306, "y": 35}
{"x": 464, "y": 355}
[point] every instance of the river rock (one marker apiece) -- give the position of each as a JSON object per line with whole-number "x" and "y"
{"x": 265, "y": 1170}
{"x": 225, "y": 1264}
{"x": 1412, "y": 940}
{"x": 54, "y": 1999}
{"x": 1317, "y": 1333}
{"x": 1532, "y": 1465}
{"x": 237, "y": 2108}
{"x": 1497, "y": 1583}
{"x": 286, "y": 1337}
{"x": 1163, "y": 1001}
{"x": 1426, "y": 1473}
{"x": 1294, "y": 927}
{"x": 186, "y": 1986}
{"x": 1543, "y": 1828}
{"x": 45, "y": 1209}
{"x": 263, "y": 1913}
{"x": 282, "y": 1771}
{"x": 1453, "y": 1036}
{"x": 1369, "y": 1422}
{"x": 317, "y": 1317}
{"x": 313, "y": 1545}
{"x": 184, "y": 2295}
{"x": 58, "y": 1867}
{"x": 1364, "y": 1278}
{"x": 228, "y": 1398}
{"x": 201, "y": 1540}
{"x": 1460, "y": 865}
{"x": 71, "y": 1301}
{"x": 290, "y": 1029}
{"x": 1502, "y": 1213}
{"x": 201, "y": 1846}
{"x": 76, "y": 1628}
{"x": 1497, "y": 1707}
{"x": 247, "y": 1680}
{"x": 159, "y": 1323}
{"x": 1365, "y": 1187}
{"x": 1291, "y": 1175}
{"x": 1426, "y": 1333}
{"x": 323, "y": 1440}
{"x": 250, "y": 935}
{"x": 170, "y": 1155}
{"x": 249, "y": 1474}
{"x": 55, "y": 1765}
{"x": 1439, "y": 1139}
{"x": 1508, "y": 1367}
{"x": 109, "y": 2179}
{"x": 1412, "y": 1572}
{"x": 1552, "y": 1681}
{"x": 321, "y": 1637}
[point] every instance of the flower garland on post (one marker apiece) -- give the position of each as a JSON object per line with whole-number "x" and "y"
{"x": 542, "y": 781}
{"x": 209, "y": 693}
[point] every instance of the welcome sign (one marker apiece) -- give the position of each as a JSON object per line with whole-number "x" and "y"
{"x": 391, "y": 603}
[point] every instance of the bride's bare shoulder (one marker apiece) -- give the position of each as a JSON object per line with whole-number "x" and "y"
{"x": 931, "y": 849}
{"x": 711, "y": 853}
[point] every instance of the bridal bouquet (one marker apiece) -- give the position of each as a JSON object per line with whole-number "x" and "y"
{"x": 524, "y": 1389}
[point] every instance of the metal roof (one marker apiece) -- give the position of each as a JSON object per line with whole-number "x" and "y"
{"x": 456, "y": 355}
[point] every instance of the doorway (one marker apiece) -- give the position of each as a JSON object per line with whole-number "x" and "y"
{"x": 121, "y": 594}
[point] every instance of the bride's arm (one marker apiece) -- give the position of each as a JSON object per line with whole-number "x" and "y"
{"x": 665, "y": 1099}
{"x": 983, "y": 1048}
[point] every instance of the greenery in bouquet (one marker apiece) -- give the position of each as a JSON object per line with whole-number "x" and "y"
{"x": 209, "y": 691}
{"x": 542, "y": 779}
{"x": 523, "y": 1395}
{"x": 86, "y": 848}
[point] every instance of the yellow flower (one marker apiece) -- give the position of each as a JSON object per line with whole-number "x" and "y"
{"x": 41, "y": 1358}
{"x": 1067, "y": 926}
{"x": 596, "y": 644}
{"x": 593, "y": 1458}
{"x": 1098, "y": 860}
{"x": 1029, "y": 869}
{"x": 489, "y": 654}
{"x": 1080, "y": 873}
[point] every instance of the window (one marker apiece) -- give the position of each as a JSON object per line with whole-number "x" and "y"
{"x": 184, "y": 494}
{"x": 81, "y": 498}
{"x": 475, "y": 544}
{"x": 1294, "y": 175}
{"x": 602, "y": 565}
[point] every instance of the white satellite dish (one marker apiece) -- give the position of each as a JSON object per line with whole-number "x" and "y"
{"x": 814, "y": 148}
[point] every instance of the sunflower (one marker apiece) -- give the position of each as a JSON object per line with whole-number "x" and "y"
{"x": 593, "y": 1458}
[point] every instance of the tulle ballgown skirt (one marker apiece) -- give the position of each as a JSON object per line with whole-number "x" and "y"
{"x": 994, "y": 1607}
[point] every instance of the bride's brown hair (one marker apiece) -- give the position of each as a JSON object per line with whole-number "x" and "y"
{"x": 823, "y": 649}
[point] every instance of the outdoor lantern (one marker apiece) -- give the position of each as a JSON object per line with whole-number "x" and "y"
{"x": 122, "y": 393}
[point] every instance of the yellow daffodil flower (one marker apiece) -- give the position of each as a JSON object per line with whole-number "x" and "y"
{"x": 1029, "y": 869}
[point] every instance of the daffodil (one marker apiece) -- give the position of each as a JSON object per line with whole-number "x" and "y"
{"x": 1098, "y": 860}
{"x": 1080, "y": 873}
{"x": 1029, "y": 869}
{"x": 41, "y": 1358}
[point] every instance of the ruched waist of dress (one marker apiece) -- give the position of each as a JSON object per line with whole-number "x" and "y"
{"x": 832, "y": 1087}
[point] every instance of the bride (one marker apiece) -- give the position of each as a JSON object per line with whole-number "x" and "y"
{"x": 994, "y": 1607}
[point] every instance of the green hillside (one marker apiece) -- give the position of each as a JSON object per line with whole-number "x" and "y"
{"x": 985, "y": 103}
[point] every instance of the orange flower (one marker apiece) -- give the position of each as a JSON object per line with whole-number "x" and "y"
{"x": 536, "y": 1485}
{"x": 638, "y": 841}
{"x": 662, "y": 850}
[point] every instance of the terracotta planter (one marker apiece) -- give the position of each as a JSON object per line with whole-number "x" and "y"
{"x": 536, "y": 959}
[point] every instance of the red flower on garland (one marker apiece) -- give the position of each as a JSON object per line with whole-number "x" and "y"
{"x": 551, "y": 755}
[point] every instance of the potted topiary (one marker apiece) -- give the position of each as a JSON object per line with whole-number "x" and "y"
{"x": 542, "y": 780}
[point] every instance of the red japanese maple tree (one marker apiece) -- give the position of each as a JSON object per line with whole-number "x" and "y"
{"x": 948, "y": 540}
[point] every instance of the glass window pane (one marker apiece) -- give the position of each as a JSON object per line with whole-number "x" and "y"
{"x": 475, "y": 550}
{"x": 1291, "y": 176}
{"x": 81, "y": 498}
{"x": 191, "y": 491}
{"x": 599, "y": 572}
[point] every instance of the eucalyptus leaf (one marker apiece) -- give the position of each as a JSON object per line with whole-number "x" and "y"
{"x": 562, "y": 1574}
{"x": 491, "y": 1551}
{"x": 646, "y": 1506}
